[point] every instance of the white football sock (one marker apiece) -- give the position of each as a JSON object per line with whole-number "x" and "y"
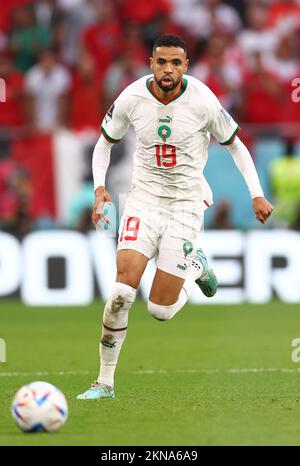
{"x": 114, "y": 329}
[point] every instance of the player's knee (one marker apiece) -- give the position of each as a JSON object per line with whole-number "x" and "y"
{"x": 119, "y": 304}
{"x": 160, "y": 312}
{"x": 122, "y": 295}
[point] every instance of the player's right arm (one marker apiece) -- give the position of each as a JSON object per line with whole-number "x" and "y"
{"x": 113, "y": 128}
{"x": 101, "y": 159}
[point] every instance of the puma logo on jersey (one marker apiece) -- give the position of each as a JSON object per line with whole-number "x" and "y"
{"x": 182, "y": 267}
{"x": 167, "y": 119}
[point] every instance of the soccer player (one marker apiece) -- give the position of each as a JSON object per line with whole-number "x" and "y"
{"x": 173, "y": 116}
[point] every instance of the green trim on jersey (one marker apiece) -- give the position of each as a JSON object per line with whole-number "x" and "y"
{"x": 231, "y": 139}
{"x": 108, "y": 137}
{"x": 184, "y": 83}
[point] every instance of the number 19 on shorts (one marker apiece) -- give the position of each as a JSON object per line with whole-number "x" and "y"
{"x": 130, "y": 229}
{"x": 166, "y": 156}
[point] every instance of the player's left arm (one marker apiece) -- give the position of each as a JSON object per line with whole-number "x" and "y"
{"x": 225, "y": 129}
{"x": 243, "y": 160}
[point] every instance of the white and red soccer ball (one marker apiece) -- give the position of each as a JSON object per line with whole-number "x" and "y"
{"x": 39, "y": 407}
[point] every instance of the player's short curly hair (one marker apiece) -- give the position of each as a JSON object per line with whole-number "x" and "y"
{"x": 170, "y": 40}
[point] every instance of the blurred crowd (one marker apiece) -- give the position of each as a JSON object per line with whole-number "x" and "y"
{"x": 64, "y": 61}
{"x": 71, "y": 58}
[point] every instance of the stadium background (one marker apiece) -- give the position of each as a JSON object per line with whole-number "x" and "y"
{"x": 62, "y": 63}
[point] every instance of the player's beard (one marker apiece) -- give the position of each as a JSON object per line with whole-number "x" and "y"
{"x": 167, "y": 88}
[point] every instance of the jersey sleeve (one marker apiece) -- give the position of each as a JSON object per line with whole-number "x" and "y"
{"x": 220, "y": 124}
{"x": 116, "y": 122}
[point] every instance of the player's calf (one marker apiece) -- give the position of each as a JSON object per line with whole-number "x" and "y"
{"x": 114, "y": 329}
{"x": 199, "y": 272}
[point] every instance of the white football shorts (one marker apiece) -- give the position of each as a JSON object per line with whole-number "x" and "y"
{"x": 170, "y": 234}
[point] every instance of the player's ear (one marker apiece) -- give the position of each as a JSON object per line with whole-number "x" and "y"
{"x": 187, "y": 61}
{"x": 151, "y": 62}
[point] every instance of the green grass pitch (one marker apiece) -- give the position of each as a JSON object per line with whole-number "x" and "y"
{"x": 214, "y": 375}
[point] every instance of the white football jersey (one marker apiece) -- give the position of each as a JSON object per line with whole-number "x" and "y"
{"x": 172, "y": 138}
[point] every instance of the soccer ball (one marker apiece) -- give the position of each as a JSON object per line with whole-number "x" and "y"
{"x": 39, "y": 407}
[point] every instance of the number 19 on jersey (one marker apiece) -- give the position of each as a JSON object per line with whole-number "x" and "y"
{"x": 166, "y": 156}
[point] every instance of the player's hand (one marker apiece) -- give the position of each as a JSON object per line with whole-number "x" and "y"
{"x": 262, "y": 208}
{"x": 101, "y": 197}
